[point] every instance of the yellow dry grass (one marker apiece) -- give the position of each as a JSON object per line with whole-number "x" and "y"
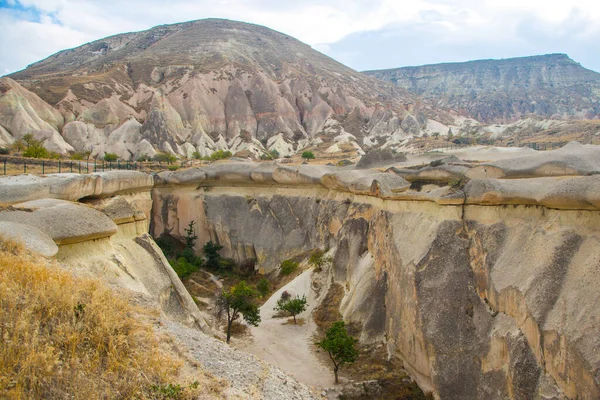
{"x": 67, "y": 337}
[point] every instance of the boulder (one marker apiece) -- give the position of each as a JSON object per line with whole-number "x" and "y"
{"x": 64, "y": 222}
{"x": 32, "y": 238}
{"x": 380, "y": 158}
{"x": 572, "y": 159}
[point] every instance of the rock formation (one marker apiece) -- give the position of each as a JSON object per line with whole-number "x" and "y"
{"x": 499, "y": 91}
{"x": 482, "y": 288}
{"x": 202, "y": 86}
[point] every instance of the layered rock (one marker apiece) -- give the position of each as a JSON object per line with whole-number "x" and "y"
{"x": 475, "y": 298}
{"x": 494, "y": 91}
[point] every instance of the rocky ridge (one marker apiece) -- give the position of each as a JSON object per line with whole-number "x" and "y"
{"x": 503, "y": 91}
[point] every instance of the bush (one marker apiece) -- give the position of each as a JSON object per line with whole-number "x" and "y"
{"x": 183, "y": 268}
{"x": 220, "y": 155}
{"x": 196, "y": 155}
{"x": 287, "y": 267}
{"x": 308, "y": 155}
{"x": 110, "y": 157}
{"x": 167, "y": 246}
{"x": 35, "y": 148}
{"x": 293, "y": 306}
{"x": 264, "y": 287}
{"x": 173, "y": 167}
{"x": 143, "y": 158}
{"x": 77, "y": 156}
{"x": 165, "y": 157}
{"x": 4, "y": 151}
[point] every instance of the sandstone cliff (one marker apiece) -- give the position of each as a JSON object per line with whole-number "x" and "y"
{"x": 483, "y": 289}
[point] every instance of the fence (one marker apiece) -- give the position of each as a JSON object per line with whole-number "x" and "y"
{"x": 17, "y": 165}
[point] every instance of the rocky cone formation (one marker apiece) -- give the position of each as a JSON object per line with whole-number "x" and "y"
{"x": 202, "y": 86}
{"x": 505, "y": 90}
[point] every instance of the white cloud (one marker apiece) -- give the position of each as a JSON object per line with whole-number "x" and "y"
{"x": 324, "y": 24}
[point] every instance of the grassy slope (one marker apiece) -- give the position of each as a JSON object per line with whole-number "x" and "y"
{"x": 62, "y": 336}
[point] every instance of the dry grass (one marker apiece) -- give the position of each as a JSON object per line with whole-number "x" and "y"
{"x": 328, "y": 312}
{"x": 65, "y": 337}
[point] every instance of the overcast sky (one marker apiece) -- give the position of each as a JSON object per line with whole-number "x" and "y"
{"x": 362, "y": 34}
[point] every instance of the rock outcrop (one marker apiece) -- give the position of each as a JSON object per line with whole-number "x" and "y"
{"x": 475, "y": 298}
{"x": 496, "y": 91}
{"x": 482, "y": 288}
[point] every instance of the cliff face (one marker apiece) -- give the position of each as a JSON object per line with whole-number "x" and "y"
{"x": 476, "y": 300}
{"x": 506, "y": 90}
{"x": 202, "y": 86}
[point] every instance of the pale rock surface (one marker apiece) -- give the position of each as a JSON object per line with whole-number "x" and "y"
{"x": 32, "y": 238}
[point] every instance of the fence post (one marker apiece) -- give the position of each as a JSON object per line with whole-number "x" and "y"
{"x": 5, "y": 166}
{"x": 94, "y": 165}
{"x": 42, "y": 167}
{"x": 71, "y": 166}
{"x": 118, "y": 164}
{"x": 24, "y": 167}
{"x": 79, "y": 166}
{"x": 102, "y": 165}
{"x": 59, "y": 166}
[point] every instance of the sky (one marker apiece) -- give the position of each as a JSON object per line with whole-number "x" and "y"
{"x": 363, "y": 34}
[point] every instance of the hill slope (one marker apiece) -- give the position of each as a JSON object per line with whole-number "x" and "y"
{"x": 505, "y": 90}
{"x": 206, "y": 85}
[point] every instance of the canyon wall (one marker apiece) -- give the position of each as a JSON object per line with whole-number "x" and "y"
{"x": 479, "y": 291}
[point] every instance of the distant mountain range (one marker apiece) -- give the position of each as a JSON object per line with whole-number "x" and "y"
{"x": 197, "y": 87}
{"x": 503, "y": 91}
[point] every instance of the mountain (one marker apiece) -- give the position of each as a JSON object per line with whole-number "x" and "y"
{"x": 201, "y": 86}
{"x": 503, "y": 91}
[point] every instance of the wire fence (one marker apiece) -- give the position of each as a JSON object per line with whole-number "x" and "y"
{"x": 10, "y": 165}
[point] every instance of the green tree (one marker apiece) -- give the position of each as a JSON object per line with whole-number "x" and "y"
{"x": 190, "y": 235}
{"x": 238, "y": 302}
{"x": 110, "y": 157}
{"x": 19, "y": 145}
{"x": 264, "y": 287}
{"x": 196, "y": 155}
{"x": 340, "y": 346}
{"x": 211, "y": 252}
{"x": 35, "y": 148}
{"x": 165, "y": 157}
{"x": 220, "y": 155}
{"x": 294, "y": 306}
{"x": 308, "y": 155}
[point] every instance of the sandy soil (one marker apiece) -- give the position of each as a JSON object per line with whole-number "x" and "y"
{"x": 289, "y": 346}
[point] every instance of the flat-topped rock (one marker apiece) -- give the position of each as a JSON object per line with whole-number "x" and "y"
{"x": 65, "y": 222}
{"x": 552, "y": 192}
{"x": 118, "y": 209}
{"x": 32, "y": 238}
{"x": 384, "y": 185}
{"x": 264, "y": 172}
{"x": 380, "y": 158}
{"x": 230, "y": 171}
{"x": 302, "y": 174}
{"x": 109, "y": 183}
{"x": 572, "y": 159}
{"x": 21, "y": 188}
{"x": 441, "y": 173}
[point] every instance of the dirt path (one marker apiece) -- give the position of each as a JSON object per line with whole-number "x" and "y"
{"x": 288, "y": 346}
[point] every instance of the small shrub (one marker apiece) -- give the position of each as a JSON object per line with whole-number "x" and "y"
{"x": 264, "y": 287}
{"x": 173, "y": 167}
{"x": 183, "y": 268}
{"x": 285, "y": 296}
{"x": 308, "y": 155}
{"x": 110, "y": 157}
{"x": 166, "y": 245}
{"x": 220, "y": 155}
{"x": 165, "y": 157}
{"x": 54, "y": 155}
{"x": 287, "y": 267}
{"x": 226, "y": 264}
{"x": 196, "y": 155}
{"x": 211, "y": 252}
{"x": 293, "y": 306}
{"x": 436, "y": 163}
{"x": 143, "y": 158}
{"x": 77, "y": 156}
{"x": 4, "y": 151}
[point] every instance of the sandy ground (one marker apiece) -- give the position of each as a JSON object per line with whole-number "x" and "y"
{"x": 289, "y": 346}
